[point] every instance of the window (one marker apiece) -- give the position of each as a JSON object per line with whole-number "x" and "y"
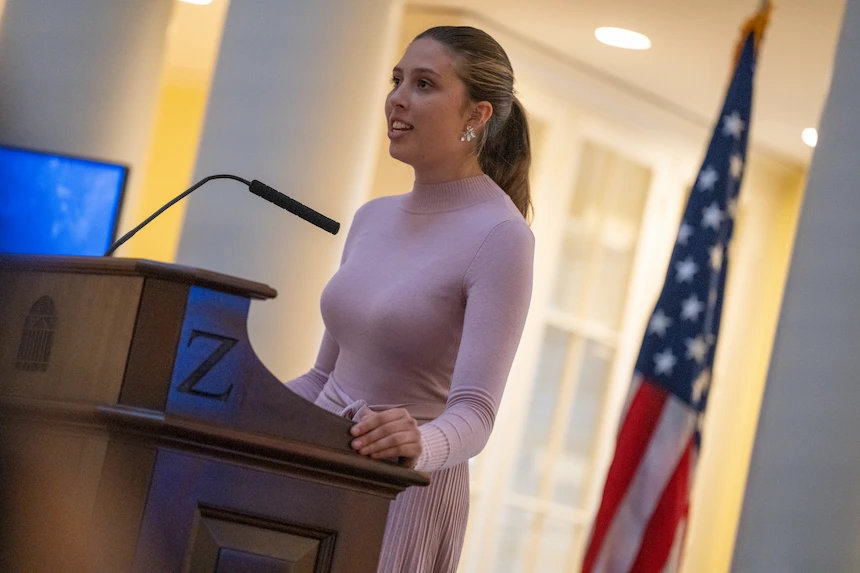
{"x": 553, "y": 487}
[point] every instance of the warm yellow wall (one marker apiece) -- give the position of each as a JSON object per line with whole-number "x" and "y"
{"x": 190, "y": 56}
{"x": 761, "y": 254}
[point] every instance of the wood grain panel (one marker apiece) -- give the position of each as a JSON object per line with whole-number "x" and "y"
{"x": 225, "y": 542}
{"x": 182, "y": 484}
{"x": 51, "y": 482}
{"x": 123, "y": 488}
{"x": 95, "y": 320}
{"x": 154, "y": 347}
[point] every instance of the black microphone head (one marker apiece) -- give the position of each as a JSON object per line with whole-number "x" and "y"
{"x": 262, "y": 190}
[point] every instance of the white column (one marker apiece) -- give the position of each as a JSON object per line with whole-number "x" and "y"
{"x": 296, "y": 102}
{"x": 802, "y": 504}
{"x": 81, "y": 77}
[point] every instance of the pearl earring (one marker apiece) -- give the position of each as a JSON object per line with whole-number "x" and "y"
{"x": 469, "y": 135}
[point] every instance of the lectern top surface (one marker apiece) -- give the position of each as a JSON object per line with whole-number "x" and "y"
{"x": 138, "y": 267}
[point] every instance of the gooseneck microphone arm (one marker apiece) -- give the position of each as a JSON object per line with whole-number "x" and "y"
{"x": 256, "y": 187}
{"x": 179, "y": 197}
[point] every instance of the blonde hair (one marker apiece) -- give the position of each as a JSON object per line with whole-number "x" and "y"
{"x": 504, "y": 147}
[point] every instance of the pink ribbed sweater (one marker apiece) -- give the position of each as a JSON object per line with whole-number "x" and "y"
{"x": 426, "y": 312}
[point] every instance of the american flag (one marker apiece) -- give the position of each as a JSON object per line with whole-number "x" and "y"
{"x": 642, "y": 518}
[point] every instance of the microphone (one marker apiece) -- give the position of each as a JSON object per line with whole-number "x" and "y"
{"x": 257, "y": 188}
{"x": 262, "y": 190}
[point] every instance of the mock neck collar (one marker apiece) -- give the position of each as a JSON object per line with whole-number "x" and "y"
{"x": 451, "y": 195}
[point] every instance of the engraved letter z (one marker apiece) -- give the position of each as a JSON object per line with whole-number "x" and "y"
{"x": 188, "y": 385}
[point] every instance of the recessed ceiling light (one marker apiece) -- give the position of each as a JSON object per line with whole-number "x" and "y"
{"x": 198, "y": 2}
{"x": 621, "y": 38}
{"x": 809, "y": 136}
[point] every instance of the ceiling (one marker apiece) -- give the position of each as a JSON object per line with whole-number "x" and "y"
{"x": 691, "y": 54}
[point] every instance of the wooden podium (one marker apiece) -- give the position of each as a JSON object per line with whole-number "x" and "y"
{"x": 141, "y": 433}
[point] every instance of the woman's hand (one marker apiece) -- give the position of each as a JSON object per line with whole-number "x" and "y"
{"x": 388, "y": 434}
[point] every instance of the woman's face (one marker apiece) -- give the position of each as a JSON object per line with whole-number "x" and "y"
{"x": 427, "y": 108}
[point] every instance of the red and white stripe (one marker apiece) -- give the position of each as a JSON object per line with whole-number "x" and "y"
{"x": 642, "y": 518}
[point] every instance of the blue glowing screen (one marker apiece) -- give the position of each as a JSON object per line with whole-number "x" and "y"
{"x": 57, "y": 205}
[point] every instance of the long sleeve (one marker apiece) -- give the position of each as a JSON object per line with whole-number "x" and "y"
{"x": 497, "y": 286}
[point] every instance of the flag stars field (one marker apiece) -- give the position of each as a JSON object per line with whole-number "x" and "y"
{"x": 707, "y": 179}
{"x": 717, "y": 257}
{"x": 736, "y": 166}
{"x": 712, "y": 216}
{"x": 664, "y": 362}
{"x": 659, "y": 323}
{"x": 691, "y": 308}
{"x": 686, "y": 270}
{"x": 712, "y": 298}
{"x": 697, "y": 349}
{"x": 732, "y": 208}
{"x": 684, "y": 234}
{"x": 733, "y": 125}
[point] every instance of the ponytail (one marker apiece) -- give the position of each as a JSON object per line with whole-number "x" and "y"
{"x": 506, "y": 156}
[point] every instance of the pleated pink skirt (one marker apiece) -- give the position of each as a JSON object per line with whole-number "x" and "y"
{"x": 426, "y": 525}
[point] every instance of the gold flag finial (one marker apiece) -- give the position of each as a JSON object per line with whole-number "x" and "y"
{"x": 755, "y": 24}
